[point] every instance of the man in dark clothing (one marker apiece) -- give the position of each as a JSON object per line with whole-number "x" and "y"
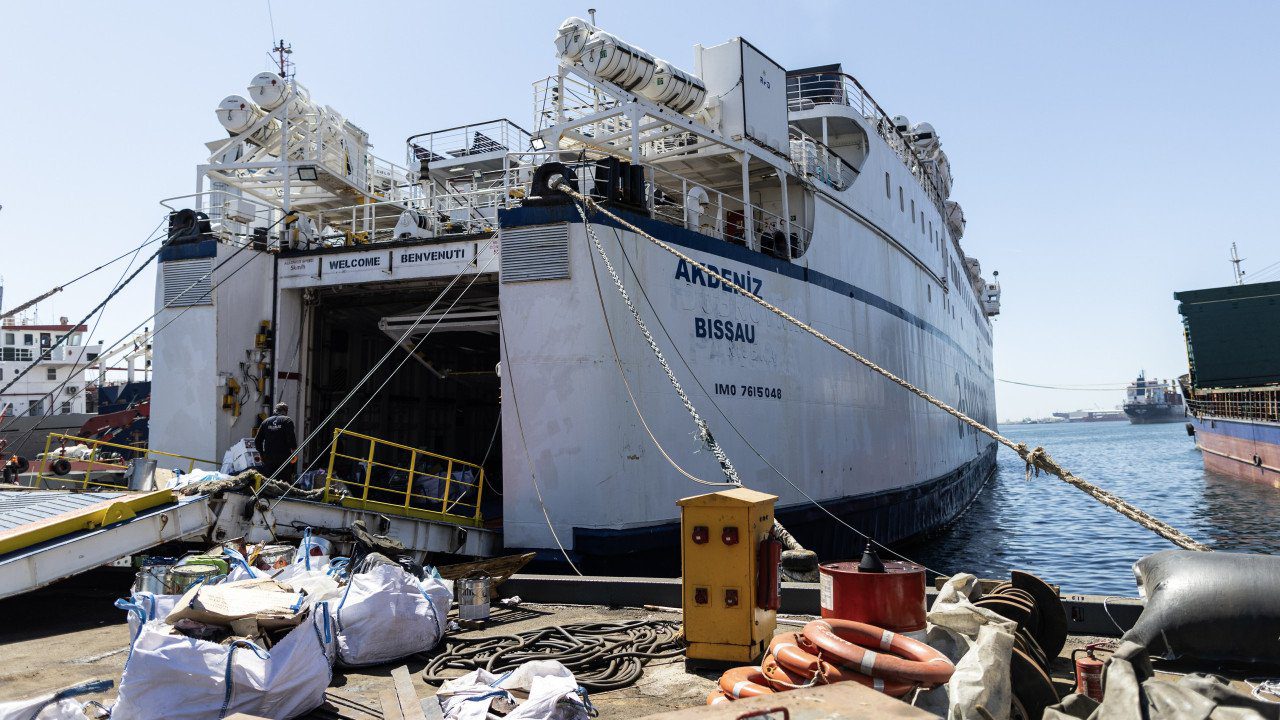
{"x": 276, "y": 442}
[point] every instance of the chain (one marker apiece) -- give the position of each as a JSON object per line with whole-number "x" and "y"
{"x": 1037, "y": 459}
{"x": 704, "y": 432}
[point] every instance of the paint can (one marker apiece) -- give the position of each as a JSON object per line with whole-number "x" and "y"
{"x": 473, "y": 597}
{"x": 153, "y": 575}
{"x": 184, "y": 577}
{"x": 274, "y": 557}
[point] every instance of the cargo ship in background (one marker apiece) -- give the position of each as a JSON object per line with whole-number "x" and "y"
{"x": 1153, "y": 401}
{"x": 1233, "y": 385}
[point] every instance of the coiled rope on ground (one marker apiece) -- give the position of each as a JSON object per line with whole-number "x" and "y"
{"x": 1037, "y": 459}
{"x": 602, "y": 656}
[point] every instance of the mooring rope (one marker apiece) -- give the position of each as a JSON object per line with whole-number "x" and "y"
{"x": 1037, "y": 459}
{"x": 704, "y": 432}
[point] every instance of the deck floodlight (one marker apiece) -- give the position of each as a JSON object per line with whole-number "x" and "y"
{"x": 307, "y": 173}
{"x": 538, "y": 144}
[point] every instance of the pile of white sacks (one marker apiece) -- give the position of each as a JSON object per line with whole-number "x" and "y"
{"x": 328, "y": 612}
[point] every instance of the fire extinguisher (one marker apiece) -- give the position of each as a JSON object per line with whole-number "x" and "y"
{"x": 1089, "y": 669}
{"x": 768, "y": 581}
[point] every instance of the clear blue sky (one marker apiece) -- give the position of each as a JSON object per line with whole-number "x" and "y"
{"x": 1106, "y": 153}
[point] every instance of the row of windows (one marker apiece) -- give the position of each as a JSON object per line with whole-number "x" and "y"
{"x": 36, "y": 407}
{"x": 902, "y": 207}
{"x": 29, "y": 339}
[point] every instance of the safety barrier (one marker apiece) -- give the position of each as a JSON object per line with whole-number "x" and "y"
{"x": 98, "y": 460}
{"x": 398, "y": 479}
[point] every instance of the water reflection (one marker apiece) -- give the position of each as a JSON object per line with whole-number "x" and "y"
{"x": 1050, "y": 528}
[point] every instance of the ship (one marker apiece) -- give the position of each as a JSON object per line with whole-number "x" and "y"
{"x": 1153, "y": 401}
{"x": 302, "y": 261}
{"x": 1233, "y": 381}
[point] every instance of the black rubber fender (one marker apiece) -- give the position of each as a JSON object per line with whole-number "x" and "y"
{"x": 61, "y": 466}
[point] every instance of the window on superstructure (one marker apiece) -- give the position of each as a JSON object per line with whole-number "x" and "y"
{"x": 8, "y": 339}
{"x": 929, "y": 291}
{"x": 52, "y": 373}
{"x": 45, "y": 340}
{"x": 28, "y": 339}
{"x": 902, "y": 203}
{"x": 921, "y": 222}
{"x": 888, "y": 189}
{"x": 913, "y": 211}
{"x": 66, "y": 407}
{"x": 33, "y": 407}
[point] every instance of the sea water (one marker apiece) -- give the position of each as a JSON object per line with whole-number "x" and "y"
{"x": 1050, "y": 528}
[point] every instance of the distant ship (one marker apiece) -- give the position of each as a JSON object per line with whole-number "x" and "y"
{"x": 1153, "y": 401}
{"x": 1233, "y": 388}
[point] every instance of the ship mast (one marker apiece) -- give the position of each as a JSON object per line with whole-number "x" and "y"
{"x": 1235, "y": 261}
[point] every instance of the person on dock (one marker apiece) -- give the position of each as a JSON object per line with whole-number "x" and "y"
{"x": 277, "y": 442}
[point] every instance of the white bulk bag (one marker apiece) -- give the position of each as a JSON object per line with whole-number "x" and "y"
{"x": 549, "y": 690}
{"x": 57, "y": 705}
{"x": 180, "y": 678}
{"x": 386, "y": 613}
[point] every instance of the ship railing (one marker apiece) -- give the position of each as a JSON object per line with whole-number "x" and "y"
{"x": 465, "y": 141}
{"x": 677, "y": 200}
{"x": 805, "y": 92}
{"x": 559, "y": 99}
{"x": 107, "y": 459}
{"x": 393, "y": 478}
{"x": 1238, "y": 405}
{"x": 813, "y": 159}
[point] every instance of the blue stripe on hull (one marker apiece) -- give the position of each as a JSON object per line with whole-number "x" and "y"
{"x": 1241, "y": 430}
{"x": 546, "y": 214}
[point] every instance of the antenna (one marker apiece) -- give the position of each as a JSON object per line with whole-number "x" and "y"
{"x": 283, "y": 52}
{"x": 1236, "y": 260}
{"x": 592, "y": 13}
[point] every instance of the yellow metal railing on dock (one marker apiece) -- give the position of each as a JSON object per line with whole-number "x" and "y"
{"x": 98, "y": 460}
{"x": 398, "y": 479}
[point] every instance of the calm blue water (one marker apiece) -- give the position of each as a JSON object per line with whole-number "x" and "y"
{"x": 1057, "y": 532}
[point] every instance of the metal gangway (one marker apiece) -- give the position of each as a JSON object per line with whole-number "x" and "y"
{"x": 92, "y": 518}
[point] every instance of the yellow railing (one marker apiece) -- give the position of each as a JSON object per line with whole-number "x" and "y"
{"x": 96, "y": 461}
{"x": 408, "y": 481}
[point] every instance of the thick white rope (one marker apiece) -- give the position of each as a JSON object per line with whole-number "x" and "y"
{"x": 1037, "y": 459}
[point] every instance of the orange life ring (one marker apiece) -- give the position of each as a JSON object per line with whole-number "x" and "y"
{"x": 745, "y": 681}
{"x": 717, "y": 696}
{"x": 790, "y": 664}
{"x": 898, "y": 657}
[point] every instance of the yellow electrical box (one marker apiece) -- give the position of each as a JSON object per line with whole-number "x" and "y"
{"x": 729, "y": 559}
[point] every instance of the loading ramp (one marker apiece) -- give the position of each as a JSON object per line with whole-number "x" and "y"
{"x": 46, "y": 536}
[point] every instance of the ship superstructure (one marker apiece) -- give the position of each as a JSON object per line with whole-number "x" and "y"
{"x": 1153, "y": 401}
{"x": 512, "y": 348}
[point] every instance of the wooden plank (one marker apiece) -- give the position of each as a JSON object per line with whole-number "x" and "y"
{"x": 410, "y": 706}
{"x": 390, "y": 706}
{"x": 841, "y": 701}
{"x": 499, "y": 568}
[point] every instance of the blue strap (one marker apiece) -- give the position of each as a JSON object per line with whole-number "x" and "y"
{"x": 238, "y": 559}
{"x": 84, "y": 688}
{"x": 231, "y": 651}
{"x": 305, "y": 547}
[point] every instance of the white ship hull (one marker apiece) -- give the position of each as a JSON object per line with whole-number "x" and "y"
{"x": 847, "y": 437}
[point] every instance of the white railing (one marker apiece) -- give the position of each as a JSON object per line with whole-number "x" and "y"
{"x": 467, "y": 140}
{"x": 815, "y": 160}
{"x": 804, "y": 92}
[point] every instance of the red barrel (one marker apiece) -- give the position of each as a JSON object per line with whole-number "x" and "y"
{"x": 893, "y": 599}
